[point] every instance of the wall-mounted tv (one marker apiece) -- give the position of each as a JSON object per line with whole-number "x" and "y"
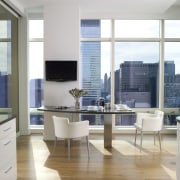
{"x": 60, "y": 70}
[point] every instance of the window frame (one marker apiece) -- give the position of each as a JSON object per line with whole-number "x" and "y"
{"x": 34, "y": 111}
{"x": 161, "y": 40}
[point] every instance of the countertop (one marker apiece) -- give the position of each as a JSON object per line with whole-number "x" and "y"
{"x": 4, "y": 117}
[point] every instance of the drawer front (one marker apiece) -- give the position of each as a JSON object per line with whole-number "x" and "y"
{"x": 8, "y": 148}
{"x": 9, "y": 171}
{"x": 7, "y": 128}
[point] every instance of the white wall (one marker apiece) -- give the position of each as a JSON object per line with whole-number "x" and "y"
{"x": 61, "y": 24}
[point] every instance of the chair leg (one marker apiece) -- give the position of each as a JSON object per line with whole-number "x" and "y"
{"x": 154, "y": 138}
{"x": 55, "y": 141}
{"x": 141, "y": 140}
{"x": 87, "y": 139}
{"x": 68, "y": 148}
{"x": 135, "y": 137}
{"x": 159, "y": 139}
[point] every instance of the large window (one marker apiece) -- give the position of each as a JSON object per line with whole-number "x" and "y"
{"x": 121, "y": 61}
{"x": 172, "y": 64}
{"x": 36, "y": 70}
{"x": 9, "y": 87}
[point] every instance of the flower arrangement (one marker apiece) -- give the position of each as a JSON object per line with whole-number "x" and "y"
{"x": 77, "y": 93}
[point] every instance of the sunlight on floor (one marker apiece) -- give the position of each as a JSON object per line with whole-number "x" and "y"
{"x": 122, "y": 145}
{"x": 98, "y": 144}
{"x": 40, "y": 157}
{"x": 170, "y": 172}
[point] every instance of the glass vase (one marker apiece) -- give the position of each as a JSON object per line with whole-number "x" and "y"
{"x": 77, "y": 103}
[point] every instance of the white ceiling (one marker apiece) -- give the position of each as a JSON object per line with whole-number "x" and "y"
{"x": 123, "y": 6}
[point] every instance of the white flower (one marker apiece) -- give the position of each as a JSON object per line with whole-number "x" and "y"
{"x": 77, "y": 93}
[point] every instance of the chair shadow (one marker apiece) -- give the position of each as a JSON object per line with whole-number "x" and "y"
{"x": 100, "y": 156}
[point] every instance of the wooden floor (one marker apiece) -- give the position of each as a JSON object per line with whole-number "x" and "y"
{"x": 123, "y": 161}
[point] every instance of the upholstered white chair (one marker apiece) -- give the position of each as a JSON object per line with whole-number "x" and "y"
{"x": 69, "y": 130}
{"x": 149, "y": 122}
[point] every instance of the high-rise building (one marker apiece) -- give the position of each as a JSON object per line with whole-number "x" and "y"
{"x": 138, "y": 83}
{"x": 36, "y": 95}
{"x": 90, "y": 62}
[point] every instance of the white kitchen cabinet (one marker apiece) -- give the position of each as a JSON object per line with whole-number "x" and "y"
{"x": 8, "y": 167}
{"x": 178, "y": 149}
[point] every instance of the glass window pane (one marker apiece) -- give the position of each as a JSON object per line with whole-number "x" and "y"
{"x": 36, "y": 60}
{"x": 5, "y": 29}
{"x": 136, "y": 76}
{"x": 36, "y": 73}
{"x": 90, "y": 29}
{"x": 172, "y": 75}
{"x": 172, "y": 28}
{"x": 36, "y": 119}
{"x": 95, "y": 28}
{"x": 170, "y": 119}
{"x": 137, "y": 28}
{"x": 105, "y": 28}
{"x": 5, "y": 73}
{"x": 125, "y": 120}
{"x": 36, "y": 29}
{"x": 136, "y": 73}
{"x": 5, "y": 57}
{"x": 95, "y": 74}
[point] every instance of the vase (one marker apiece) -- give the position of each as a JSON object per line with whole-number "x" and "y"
{"x": 77, "y": 103}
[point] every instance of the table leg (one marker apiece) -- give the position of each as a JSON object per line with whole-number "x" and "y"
{"x": 108, "y": 130}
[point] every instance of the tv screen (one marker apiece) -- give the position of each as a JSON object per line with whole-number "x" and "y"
{"x": 60, "y": 71}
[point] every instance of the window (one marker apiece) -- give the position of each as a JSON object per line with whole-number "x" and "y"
{"x": 172, "y": 64}
{"x": 121, "y": 60}
{"x": 36, "y": 64}
{"x": 9, "y": 91}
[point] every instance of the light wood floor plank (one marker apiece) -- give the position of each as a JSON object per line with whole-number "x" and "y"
{"x": 123, "y": 161}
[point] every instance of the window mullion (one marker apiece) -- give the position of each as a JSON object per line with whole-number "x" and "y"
{"x": 112, "y": 68}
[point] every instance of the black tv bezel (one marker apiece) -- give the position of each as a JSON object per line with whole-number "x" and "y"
{"x": 74, "y": 77}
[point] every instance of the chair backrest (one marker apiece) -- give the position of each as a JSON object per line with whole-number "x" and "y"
{"x": 65, "y": 129}
{"x": 159, "y": 113}
{"x": 153, "y": 123}
{"x": 61, "y": 127}
{"x": 79, "y": 129}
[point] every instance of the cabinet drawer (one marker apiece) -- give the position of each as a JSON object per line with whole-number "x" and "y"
{"x": 7, "y": 128}
{"x": 8, "y": 148}
{"x": 9, "y": 171}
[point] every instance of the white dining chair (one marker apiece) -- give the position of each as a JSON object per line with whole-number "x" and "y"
{"x": 149, "y": 122}
{"x": 66, "y": 130}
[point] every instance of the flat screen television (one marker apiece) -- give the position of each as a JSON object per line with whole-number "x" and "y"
{"x": 60, "y": 70}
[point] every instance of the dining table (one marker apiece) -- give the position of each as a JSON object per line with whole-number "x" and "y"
{"x": 107, "y": 113}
